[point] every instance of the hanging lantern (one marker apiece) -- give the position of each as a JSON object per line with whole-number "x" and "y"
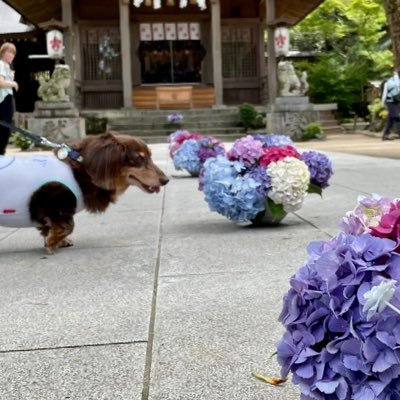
{"x": 281, "y": 39}
{"x": 55, "y": 44}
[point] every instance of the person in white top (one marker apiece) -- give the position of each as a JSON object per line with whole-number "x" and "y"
{"x": 7, "y": 84}
{"x": 390, "y": 90}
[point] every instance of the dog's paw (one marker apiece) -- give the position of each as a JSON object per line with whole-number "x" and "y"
{"x": 66, "y": 243}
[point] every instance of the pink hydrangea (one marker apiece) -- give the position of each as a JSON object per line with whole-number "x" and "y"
{"x": 274, "y": 154}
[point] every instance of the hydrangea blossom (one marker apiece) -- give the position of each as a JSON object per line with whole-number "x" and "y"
{"x": 274, "y": 164}
{"x": 186, "y": 157}
{"x": 272, "y": 140}
{"x": 175, "y": 117}
{"x": 342, "y": 329}
{"x": 178, "y": 137}
{"x": 320, "y": 167}
{"x": 210, "y": 147}
{"x": 273, "y": 154}
{"x": 229, "y": 193}
{"x": 248, "y": 150}
{"x": 290, "y": 179}
{"x": 366, "y": 214}
{"x": 193, "y": 155}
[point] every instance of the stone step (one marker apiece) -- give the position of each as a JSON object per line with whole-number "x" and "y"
{"x": 226, "y": 138}
{"x": 164, "y": 133}
{"x": 329, "y": 130}
{"x": 189, "y": 126}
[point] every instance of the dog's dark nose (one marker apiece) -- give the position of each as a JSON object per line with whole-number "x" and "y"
{"x": 164, "y": 180}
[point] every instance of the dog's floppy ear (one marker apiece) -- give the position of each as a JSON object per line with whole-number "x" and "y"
{"x": 103, "y": 158}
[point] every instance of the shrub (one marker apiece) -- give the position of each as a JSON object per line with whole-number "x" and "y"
{"x": 248, "y": 115}
{"x": 378, "y": 114}
{"x": 22, "y": 142}
{"x": 312, "y": 131}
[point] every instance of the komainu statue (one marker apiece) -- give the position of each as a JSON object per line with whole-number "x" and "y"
{"x": 289, "y": 82}
{"x": 53, "y": 89}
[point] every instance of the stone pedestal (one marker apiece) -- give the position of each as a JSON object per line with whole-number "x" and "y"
{"x": 290, "y": 115}
{"x": 59, "y": 122}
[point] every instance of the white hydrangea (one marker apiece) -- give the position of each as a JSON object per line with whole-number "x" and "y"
{"x": 290, "y": 179}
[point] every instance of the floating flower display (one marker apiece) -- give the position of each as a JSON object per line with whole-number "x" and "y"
{"x": 175, "y": 118}
{"x": 341, "y": 313}
{"x": 190, "y": 150}
{"x": 262, "y": 178}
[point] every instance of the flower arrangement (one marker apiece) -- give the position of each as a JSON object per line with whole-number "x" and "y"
{"x": 175, "y": 118}
{"x": 262, "y": 178}
{"x": 190, "y": 150}
{"x": 342, "y": 328}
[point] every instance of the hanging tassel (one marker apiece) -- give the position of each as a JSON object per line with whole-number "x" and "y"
{"x": 156, "y": 4}
{"x": 183, "y": 3}
{"x": 147, "y": 3}
{"x": 137, "y": 3}
{"x": 170, "y": 3}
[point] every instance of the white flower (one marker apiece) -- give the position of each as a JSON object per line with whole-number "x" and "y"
{"x": 378, "y": 298}
{"x": 290, "y": 179}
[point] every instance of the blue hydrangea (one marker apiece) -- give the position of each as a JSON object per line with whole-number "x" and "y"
{"x": 187, "y": 157}
{"x": 230, "y": 193}
{"x": 272, "y": 140}
{"x": 320, "y": 167}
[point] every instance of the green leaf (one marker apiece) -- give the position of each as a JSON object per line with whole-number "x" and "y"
{"x": 314, "y": 189}
{"x": 276, "y": 209}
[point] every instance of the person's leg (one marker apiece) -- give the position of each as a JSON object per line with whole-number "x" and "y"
{"x": 6, "y": 113}
{"x": 388, "y": 127}
{"x": 392, "y": 116}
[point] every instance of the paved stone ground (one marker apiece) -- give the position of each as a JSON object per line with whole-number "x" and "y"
{"x": 160, "y": 299}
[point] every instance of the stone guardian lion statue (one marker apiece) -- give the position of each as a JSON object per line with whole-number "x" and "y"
{"x": 53, "y": 89}
{"x": 289, "y": 82}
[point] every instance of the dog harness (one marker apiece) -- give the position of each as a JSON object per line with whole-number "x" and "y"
{"x": 20, "y": 177}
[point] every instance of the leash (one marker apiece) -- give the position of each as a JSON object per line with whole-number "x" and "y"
{"x": 63, "y": 151}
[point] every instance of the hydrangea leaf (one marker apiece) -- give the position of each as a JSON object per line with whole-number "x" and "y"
{"x": 313, "y": 188}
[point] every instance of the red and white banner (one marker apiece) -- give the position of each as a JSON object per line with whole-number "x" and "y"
{"x": 170, "y": 31}
{"x": 158, "y": 31}
{"x": 145, "y": 32}
{"x": 194, "y": 31}
{"x": 183, "y": 31}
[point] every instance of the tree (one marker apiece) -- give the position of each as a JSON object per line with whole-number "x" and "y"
{"x": 351, "y": 37}
{"x": 392, "y": 9}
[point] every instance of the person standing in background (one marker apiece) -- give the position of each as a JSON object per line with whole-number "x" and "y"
{"x": 391, "y": 90}
{"x": 7, "y": 84}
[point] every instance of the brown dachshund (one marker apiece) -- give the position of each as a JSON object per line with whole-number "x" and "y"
{"x": 46, "y": 192}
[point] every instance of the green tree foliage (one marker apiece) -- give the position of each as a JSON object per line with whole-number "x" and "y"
{"x": 352, "y": 39}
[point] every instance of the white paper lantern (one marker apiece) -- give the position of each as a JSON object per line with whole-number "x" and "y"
{"x": 55, "y": 44}
{"x": 281, "y": 39}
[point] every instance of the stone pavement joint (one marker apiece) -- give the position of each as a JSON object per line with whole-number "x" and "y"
{"x": 161, "y": 299}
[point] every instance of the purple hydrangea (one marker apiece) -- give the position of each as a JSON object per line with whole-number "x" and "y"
{"x": 329, "y": 345}
{"x": 259, "y": 174}
{"x": 247, "y": 150}
{"x": 320, "y": 167}
{"x": 272, "y": 140}
{"x": 210, "y": 147}
{"x": 368, "y": 212}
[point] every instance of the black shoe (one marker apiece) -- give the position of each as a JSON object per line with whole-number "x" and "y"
{"x": 386, "y": 138}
